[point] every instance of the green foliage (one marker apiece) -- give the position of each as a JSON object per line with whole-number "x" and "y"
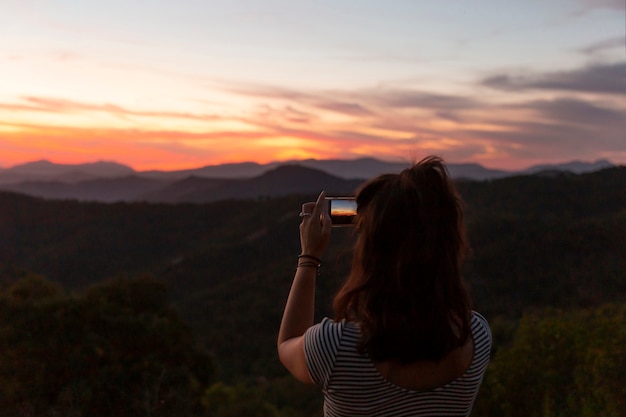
{"x": 221, "y": 400}
{"x": 292, "y": 398}
{"x": 542, "y": 241}
{"x": 280, "y": 397}
{"x": 560, "y": 364}
{"x": 117, "y": 350}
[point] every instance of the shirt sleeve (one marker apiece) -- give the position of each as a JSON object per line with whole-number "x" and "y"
{"x": 482, "y": 341}
{"x": 321, "y": 343}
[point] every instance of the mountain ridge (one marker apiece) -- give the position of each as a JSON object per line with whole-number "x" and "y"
{"x": 347, "y": 168}
{"x": 106, "y": 181}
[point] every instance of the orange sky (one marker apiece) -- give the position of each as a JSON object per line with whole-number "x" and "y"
{"x": 175, "y": 87}
{"x": 155, "y": 141}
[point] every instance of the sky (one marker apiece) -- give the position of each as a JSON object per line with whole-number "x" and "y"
{"x": 168, "y": 85}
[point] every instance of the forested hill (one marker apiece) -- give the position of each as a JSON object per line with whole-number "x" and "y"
{"x": 537, "y": 241}
{"x": 517, "y": 226}
{"x": 547, "y": 240}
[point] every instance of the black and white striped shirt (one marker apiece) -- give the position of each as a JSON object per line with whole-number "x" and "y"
{"x": 353, "y": 386}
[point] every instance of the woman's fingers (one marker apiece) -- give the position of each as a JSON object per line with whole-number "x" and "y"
{"x": 307, "y": 208}
{"x": 315, "y": 209}
{"x": 320, "y": 204}
{"x": 314, "y": 234}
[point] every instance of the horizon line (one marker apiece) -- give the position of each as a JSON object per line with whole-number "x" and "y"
{"x": 278, "y": 162}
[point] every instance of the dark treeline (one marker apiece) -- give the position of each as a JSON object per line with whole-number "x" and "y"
{"x": 168, "y": 310}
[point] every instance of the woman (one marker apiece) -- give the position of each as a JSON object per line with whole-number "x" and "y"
{"x": 404, "y": 340}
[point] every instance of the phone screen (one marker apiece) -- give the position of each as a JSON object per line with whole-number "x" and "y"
{"x": 342, "y": 211}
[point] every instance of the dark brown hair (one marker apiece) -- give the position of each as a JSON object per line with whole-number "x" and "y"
{"x": 405, "y": 288}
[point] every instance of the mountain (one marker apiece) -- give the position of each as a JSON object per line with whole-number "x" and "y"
{"x": 233, "y": 170}
{"x": 107, "y": 190}
{"x": 181, "y": 190}
{"x": 362, "y": 168}
{"x": 357, "y": 168}
{"x": 370, "y": 167}
{"x": 45, "y": 170}
{"x": 576, "y": 167}
{"x": 280, "y": 181}
{"x": 110, "y": 182}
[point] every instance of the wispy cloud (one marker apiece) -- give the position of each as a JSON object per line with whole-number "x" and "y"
{"x": 287, "y": 113}
{"x": 599, "y": 79}
{"x": 320, "y": 100}
{"x": 347, "y": 108}
{"x": 604, "y": 4}
{"x": 606, "y": 44}
{"x": 567, "y": 127}
{"x": 577, "y": 112}
{"x": 55, "y": 105}
{"x": 358, "y": 102}
{"x": 585, "y": 7}
{"x": 419, "y": 99}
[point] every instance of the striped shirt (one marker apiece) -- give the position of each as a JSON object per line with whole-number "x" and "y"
{"x": 353, "y": 386}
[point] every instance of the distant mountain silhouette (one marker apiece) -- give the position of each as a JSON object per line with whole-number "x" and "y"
{"x": 370, "y": 167}
{"x": 45, "y": 170}
{"x": 283, "y": 180}
{"x": 190, "y": 189}
{"x": 576, "y": 167}
{"x": 232, "y": 170}
{"x": 106, "y": 190}
{"x": 110, "y": 181}
{"x": 290, "y": 179}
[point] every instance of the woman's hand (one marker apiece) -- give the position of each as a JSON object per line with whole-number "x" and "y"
{"x": 315, "y": 227}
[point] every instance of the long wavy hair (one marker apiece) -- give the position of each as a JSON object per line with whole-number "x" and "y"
{"x": 405, "y": 288}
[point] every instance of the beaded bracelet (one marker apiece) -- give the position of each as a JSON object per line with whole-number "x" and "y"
{"x": 316, "y": 263}
{"x": 312, "y": 264}
{"x": 316, "y": 259}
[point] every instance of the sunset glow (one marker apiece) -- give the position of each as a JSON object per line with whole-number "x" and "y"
{"x": 186, "y": 84}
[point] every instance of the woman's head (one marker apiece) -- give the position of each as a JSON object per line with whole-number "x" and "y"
{"x": 405, "y": 279}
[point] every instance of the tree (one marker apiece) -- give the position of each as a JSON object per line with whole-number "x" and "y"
{"x": 119, "y": 349}
{"x": 560, "y": 363}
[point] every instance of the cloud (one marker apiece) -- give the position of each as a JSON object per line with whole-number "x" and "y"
{"x": 349, "y": 109}
{"x": 565, "y": 128}
{"x": 319, "y": 100}
{"x": 601, "y": 79}
{"x": 544, "y": 140}
{"x": 363, "y": 102}
{"x": 288, "y": 114}
{"x": 575, "y": 112}
{"x": 594, "y": 48}
{"x": 420, "y": 99}
{"x": 604, "y": 4}
{"x": 53, "y": 105}
{"x": 584, "y": 7}
{"x": 265, "y": 91}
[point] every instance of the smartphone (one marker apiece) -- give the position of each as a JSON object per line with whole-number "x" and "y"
{"x": 342, "y": 211}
